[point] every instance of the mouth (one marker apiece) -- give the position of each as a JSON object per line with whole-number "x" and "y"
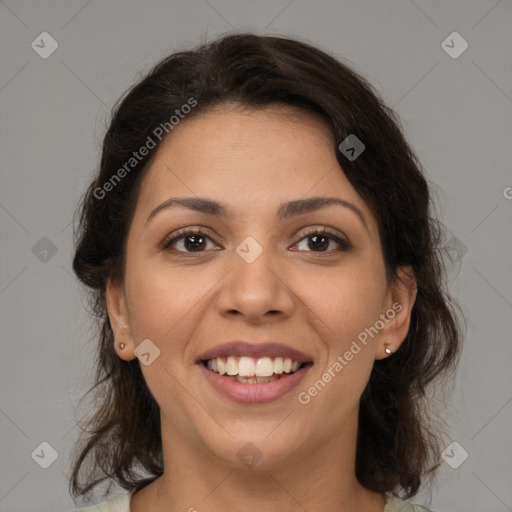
{"x": 250, "y": 370}
{"x": 251, "y": 374}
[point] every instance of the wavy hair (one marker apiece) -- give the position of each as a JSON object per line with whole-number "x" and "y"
{"x": 397, "y": 445}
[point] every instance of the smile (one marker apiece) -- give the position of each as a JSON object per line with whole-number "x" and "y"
{"x": 252, "y": 367}
{"x": 251, "y": 381}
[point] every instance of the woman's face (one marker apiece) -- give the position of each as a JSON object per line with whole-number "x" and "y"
{"x": 257, "y": 275}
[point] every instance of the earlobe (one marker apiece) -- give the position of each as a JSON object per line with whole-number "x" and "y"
{"x": 119, "y": 321}
{"x": 401, "y": 300}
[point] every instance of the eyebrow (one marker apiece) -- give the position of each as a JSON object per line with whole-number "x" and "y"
{"x": 285, "y": 211}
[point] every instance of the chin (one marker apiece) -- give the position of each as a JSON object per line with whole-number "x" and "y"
{"x": 255, "y": 448}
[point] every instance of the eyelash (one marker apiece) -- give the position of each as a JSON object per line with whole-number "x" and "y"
{"x": 344, "y": 244}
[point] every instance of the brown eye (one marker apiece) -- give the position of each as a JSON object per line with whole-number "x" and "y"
{"x": 320, "y": 240}
{"x": 191, "y": 241}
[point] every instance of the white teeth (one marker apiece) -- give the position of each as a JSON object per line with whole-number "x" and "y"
{"x": 278, "y": 365}
{"x": 213, "y": 365}
{"x": 246, "y": 367}
{"x": 250, "y": 367}
{"x": 264, "y": 367}
{"x": 231, "y": 366}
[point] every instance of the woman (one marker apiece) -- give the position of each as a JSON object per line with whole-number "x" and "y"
{"x": 262, "y": 257}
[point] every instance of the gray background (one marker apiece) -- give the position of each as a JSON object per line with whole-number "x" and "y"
{"x": 456, "y": 113}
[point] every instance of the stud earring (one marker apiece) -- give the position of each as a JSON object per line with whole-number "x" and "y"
{"x": 122, "y": 345}
{"x": 387, "y": 349}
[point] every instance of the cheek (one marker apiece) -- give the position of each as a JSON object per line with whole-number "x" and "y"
{"x": 163, "y": 308}
{"x": 159, "y": 301}
{"x": 345, "y": 303}
{"x": 167, "y": 305}
{"x": 353, "y": 307}
{"x": 343, "y": 309}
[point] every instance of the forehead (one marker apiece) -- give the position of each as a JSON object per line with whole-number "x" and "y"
{"x": 251, "y": 159}
{"x": 273, "y": 133}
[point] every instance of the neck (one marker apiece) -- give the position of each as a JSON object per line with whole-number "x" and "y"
{"x": 321, "y": 477}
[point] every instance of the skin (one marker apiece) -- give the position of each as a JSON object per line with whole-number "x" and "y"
{"x": 314, "y": 299}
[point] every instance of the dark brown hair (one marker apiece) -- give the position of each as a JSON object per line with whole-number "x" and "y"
{"x": 396, "y": 444}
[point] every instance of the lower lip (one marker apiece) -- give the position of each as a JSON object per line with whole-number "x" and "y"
{"x": 253, "y": 393}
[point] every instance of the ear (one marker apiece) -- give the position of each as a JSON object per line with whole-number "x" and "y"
{"x": 119, "y": 320}
{"x": 397, "y": 311}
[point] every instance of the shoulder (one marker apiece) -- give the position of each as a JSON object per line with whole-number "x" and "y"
{"x": 118, "y": 503}
{"x": 121, "y": 503}
{"x": 396, "y": 504}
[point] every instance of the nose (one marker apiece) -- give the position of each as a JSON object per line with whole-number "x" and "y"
{"x": 257, "y": 290}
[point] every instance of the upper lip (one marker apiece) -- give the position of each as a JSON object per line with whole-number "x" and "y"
{"x": 244, "y": 348}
